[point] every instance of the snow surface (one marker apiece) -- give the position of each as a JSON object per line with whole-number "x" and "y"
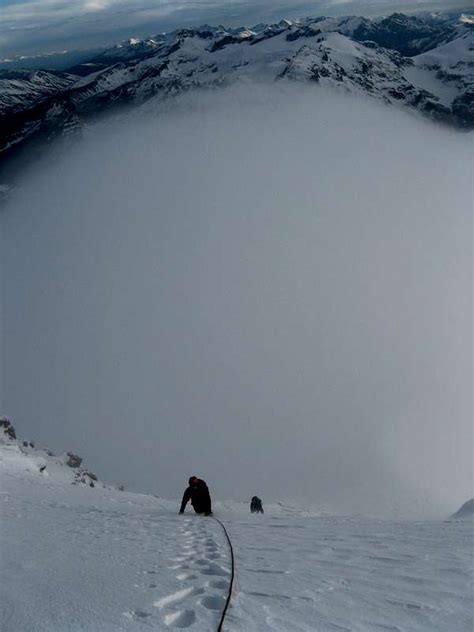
{"x": 75, "y": 558}
{"x": 422, "y": 77}
{"x": 451, "y": 53}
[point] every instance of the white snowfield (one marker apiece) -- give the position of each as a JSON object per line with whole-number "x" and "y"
{"x": 76, "y": 559}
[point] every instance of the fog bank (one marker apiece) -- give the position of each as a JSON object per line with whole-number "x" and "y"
{"x": 270, "y": 288}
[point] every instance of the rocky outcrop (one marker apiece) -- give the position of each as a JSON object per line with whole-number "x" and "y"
{"x": 84, "y": 477}
{"x": 8, "y": 429}
{"x": 463, "y": 109}
{"x": 74, "y": 460}
{"x": 45, "y": 462}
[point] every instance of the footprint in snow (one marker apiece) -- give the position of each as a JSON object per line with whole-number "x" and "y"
{"x": 175, "y": 567}
{"x": 219, "y": 583}
{"x": 179, "y": 595}
{"x": 214, "y": 569}
{"x": 136, "y": 614}
{"x": 185, "y": 576}
{"x": 180, "y": 619}
{"x": 213, "y": 602}
{"x": 202, "y": 562}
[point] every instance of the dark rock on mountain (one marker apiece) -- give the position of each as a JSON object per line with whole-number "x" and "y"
{"x": 463, "y": 109}
{"x": 7, "y": 427}
{"x": 302, "y": 32}
{"x": 225, "y": 41}
{"x": 85, "y": 478}
{"x": 74, "y": 460}
{"x": 409, "y": 35}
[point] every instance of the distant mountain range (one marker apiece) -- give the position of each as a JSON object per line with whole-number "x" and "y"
{"x": 424, "y": 62}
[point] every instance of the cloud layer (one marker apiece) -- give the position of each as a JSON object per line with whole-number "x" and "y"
{"x": 269, "y": 289}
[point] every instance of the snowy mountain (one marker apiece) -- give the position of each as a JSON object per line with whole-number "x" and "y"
{"x": 21, "y": 89}
{"x": 424, "y": 63}
{"x": 80, "y": 558}
{"x": 409, "y": 35}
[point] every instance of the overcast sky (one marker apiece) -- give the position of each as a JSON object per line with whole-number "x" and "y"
{"x": 32, "y": 26}
{"x": 268, "y": 288}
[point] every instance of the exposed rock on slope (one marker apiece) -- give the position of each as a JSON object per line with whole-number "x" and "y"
{"x": 43, "y": 462}
{"x": 8, "y": 429}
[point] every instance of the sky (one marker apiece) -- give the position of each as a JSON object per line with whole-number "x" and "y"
{"x": 35, "y": 26}
{"x": 267, "y": 287}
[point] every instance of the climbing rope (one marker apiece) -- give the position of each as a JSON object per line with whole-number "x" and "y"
{"x": 224, "y": 612}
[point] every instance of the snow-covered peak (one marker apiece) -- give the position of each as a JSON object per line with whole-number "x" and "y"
{"x": 467, "y": 19}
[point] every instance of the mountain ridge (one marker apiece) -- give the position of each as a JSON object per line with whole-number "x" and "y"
{"x": 421, "y": 63}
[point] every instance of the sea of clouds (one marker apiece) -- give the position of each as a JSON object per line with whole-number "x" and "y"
{"x": 267, "y": 286}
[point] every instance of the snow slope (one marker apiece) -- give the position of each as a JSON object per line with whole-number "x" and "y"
{"x": 78, "y": 558}
{"x": 445, "y": 71}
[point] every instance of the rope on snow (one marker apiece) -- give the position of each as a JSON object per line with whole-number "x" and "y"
{"x": 224, "y": 612}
